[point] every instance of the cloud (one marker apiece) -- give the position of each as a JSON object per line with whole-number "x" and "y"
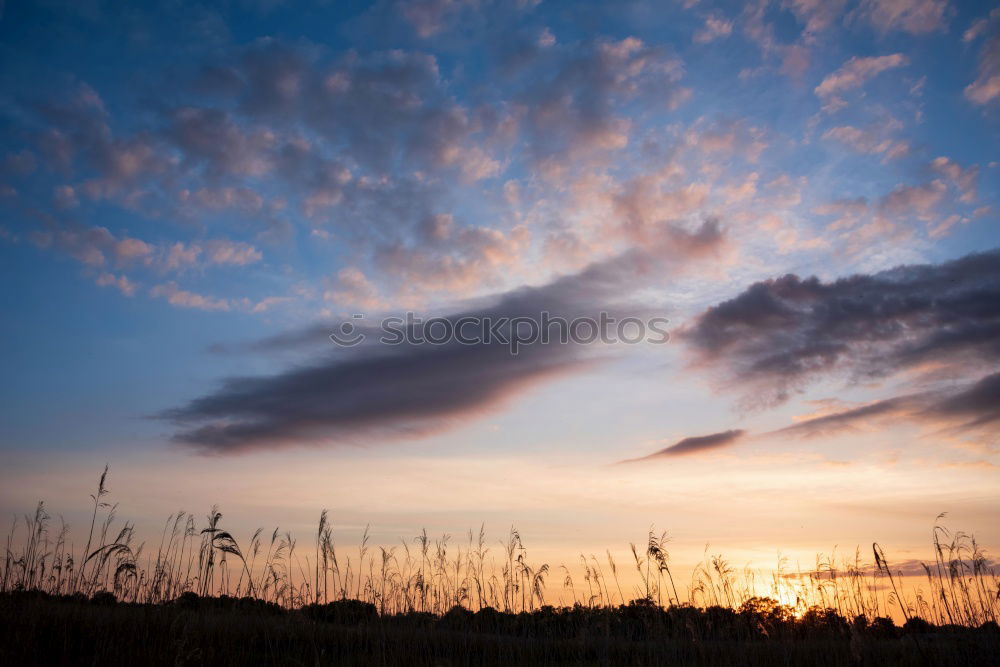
{"x": 944, "y": 227}
{"x": 233, "y": 253}
{"x": 986, "y": 87}
{"x": 132, "y": 249}
{"x": 79, "y": 130}
{"x": 978, "y": 405}
{"x": 963, "y": 408}
{"x": 364, "y": 145}
{"x": 373, "y": 391}
{"x": 180, "y": 255}
{"x": 838, "y": 421}
{"x": 84, "y": 245}
{"x": 779, "y": 335}
{"x": 376, "y": 391}
{"x": 353, "y": 289}
{"x": 429, "y": 17}
{"x": 727, "y": 137}
{"x": 176, "y": 296}
{"x": 715, "y": 27}
{"x": 818, "y": 15}
{"x": 269, "y": 302}
{"x": 912, "y": 200}
{"x": 219, "y": 252}
{"x": 377, "y": 109}
{"x": 980, "y": 26}
{"x": 856, "y": 71}
{"x": 570, "y": 108}
{"x": 412, "y": 393}
{"x": 122, "y": 283}
{"x": 213, "y": 138}
{"x": 848, "y": 212}
{"x": 868, "y": 141}
{"x": 65, "y": 197}
{"x": 92, "y": 246}
{"x": 913, "y": 16}
{"x": 241, "y": 198}
{"x": 694, "y": 444}
{"x": 964, "y": 180}
{"x": 446, "y": 257}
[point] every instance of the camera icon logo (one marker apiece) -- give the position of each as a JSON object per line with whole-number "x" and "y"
{"x": 347, "y": 335}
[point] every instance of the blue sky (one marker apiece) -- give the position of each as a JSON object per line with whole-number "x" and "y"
{"x": 193, "y": 192}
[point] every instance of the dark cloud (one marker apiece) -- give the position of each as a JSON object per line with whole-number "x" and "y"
{"x": 967, "y": 408}
{"x": 377, "y": 391}
{"x": 374, "y": 390}
{"x": 78, "y": 129}
{"x": 696, "y": 443}
{"x": 410, "y": 393}
{"x": 845, "y": 419}
{"x": 781, "y": 334}
{"x": 976, "y": 406}
{"x": 938, "y": 323}
{"x": 213, "y": 137}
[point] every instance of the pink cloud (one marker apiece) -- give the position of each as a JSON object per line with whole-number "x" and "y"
{"x": 185, "y": 299}
{"x": 913, "y": 16}
{"x": 122, "y": 283}
{"x": 869, "y": 141}
{"x": 232, "y": 253}
{"x": 856, "y": 71}
{"x": 716, "y": 27}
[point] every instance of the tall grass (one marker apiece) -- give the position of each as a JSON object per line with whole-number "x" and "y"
{"x": 959, "y": 586}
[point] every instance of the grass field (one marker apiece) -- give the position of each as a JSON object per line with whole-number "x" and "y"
{"x": 199, "y": 596}
{"x": 42, "y": 629}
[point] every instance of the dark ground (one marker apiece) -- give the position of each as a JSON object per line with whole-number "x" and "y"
{"x": 38, "y": 629}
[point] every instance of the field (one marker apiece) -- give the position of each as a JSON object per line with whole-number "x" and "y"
{"x": 41, "y": 629}
{"x": 198, "y": 596}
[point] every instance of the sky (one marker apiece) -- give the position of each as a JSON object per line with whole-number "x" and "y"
{"x": 193, "y": 197}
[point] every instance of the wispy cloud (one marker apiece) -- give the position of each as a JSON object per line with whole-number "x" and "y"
{"x": 986, "y": 87}
{"x": 695, "y": 444}
{"x": 856, "y": 71}
{"x": 967, "y": 408}
{"x": 912, "y": 16}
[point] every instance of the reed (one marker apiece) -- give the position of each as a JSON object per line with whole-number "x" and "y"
{"x": 960, "y": 586}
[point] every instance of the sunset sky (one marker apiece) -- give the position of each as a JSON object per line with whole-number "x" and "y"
{"x": 193, "y": 196}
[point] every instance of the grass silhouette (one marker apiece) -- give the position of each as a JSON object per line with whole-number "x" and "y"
{"x": 204, "y": 597}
